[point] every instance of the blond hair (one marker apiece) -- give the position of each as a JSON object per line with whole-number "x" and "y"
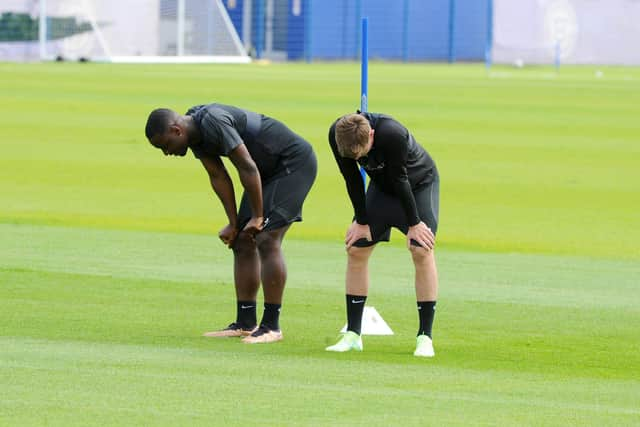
{"x": 352, "y": 135}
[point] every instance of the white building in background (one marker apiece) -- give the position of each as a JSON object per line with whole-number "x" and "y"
{"x": 573, "y": 31}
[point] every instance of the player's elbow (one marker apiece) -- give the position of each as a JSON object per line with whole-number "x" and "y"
{"x": 248, "y": 169}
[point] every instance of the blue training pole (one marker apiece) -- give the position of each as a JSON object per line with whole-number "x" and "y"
{"x": 364, "y": 75}
{"x": 488, "y": 54}
{"x": 364, "y": 62}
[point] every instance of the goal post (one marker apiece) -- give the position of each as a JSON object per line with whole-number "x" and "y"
{"x": 142, "y": 31}
{"x": 193, "y": 31}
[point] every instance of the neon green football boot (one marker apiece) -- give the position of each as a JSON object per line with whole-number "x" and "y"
{"x": 349, "y": 341}
{"x": 424, "y": 347}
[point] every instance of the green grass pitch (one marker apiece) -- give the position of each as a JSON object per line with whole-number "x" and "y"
{"x": 110, "y": 268}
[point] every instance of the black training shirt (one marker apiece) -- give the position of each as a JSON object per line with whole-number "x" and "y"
{"x": 273, "y": 147}
{"x": 396, "y": 163}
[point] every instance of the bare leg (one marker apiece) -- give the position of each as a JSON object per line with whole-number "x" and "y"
{"x": 274, "y": 268}
{"x": 357, "y": 276}
{"x": 426, "y": 280}
{"x": 246, "y": 268}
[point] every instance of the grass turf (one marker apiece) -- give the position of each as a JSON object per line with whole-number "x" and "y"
{"x": 105, "y": 330}
{"x": 110, "y": 269}
{"x": 530, "y": 161}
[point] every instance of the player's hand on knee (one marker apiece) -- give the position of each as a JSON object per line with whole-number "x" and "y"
{"x": 356, "y": 232}
{"x": 254, "y": 226}
{"x": 422, "y": 235}
{"x": 228, "y": 235}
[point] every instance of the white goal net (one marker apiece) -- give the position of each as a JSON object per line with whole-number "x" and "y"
{"x": 120, "y": 31}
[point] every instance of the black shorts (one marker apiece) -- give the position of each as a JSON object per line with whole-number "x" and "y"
{"x": 283, "y": 196}
{"x": 386, "y": 211}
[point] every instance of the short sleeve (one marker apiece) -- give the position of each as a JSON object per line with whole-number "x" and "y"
{"x": 218, "y": 128}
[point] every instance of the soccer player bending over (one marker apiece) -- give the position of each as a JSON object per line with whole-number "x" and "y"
{"x": 403, "y": 193}
{"x": 276, "y": 168}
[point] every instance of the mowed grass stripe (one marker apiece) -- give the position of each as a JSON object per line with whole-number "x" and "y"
{"x": 561, "y": 281}
{"x": 170, "y": 384}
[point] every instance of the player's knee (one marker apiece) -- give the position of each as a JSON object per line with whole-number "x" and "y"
{"x": 268, "y": 244}
{"x": 244, "y": 243}
{"x": 420, "y": 254}
{"x": 359, "y": 255}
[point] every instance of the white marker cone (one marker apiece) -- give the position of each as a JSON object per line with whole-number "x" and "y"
{"x": 372, "y": 323}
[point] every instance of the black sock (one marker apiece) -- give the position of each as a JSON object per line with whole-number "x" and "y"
{"x": 426, "y": 312}
{"x": 355, "y": 307}
{"x": 246, "y": 316}
{"x": 271, "y": 316}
